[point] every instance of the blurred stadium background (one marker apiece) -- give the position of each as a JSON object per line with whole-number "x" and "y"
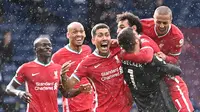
{"x": 27, "y": 19}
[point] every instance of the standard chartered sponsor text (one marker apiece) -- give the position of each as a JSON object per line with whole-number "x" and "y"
{"x": 110, "y": 74}
{"x": 45, "y": 86}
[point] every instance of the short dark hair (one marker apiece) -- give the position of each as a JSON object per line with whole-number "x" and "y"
{"x": 99, "y": 26}
{"x": 132, "y": 20}
{"x": 127, "y": 39}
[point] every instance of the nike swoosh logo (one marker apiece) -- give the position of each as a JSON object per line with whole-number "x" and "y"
{"x": 97, "y": 66}
{"x": 35, "y": 74}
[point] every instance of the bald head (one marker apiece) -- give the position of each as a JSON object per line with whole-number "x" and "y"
{"x": 74, "y": 25}
{"x": 163, "y": 10}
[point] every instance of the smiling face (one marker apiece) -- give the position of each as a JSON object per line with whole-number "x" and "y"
{"x": 101, "y": 40}
{"x": 43, "y": 47}
{"x": 163, "y": 23}
{"x": 76, "y": 34}
{"x": 162, "y": 19}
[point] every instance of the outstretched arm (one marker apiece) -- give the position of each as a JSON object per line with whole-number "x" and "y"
{"x": 144, "y": 56}
{"x": 164, "y": 67}
{"x": 171, "y": 69}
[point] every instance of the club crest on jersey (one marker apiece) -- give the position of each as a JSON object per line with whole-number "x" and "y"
{"x": 55, "y": 74}
{"x": 161, "y": 45}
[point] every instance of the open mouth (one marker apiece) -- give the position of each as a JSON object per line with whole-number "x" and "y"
{"x": 104, "y": 45}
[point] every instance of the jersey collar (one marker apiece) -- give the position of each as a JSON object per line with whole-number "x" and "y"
{"x": 96, "y": 53}
{"x": 36, "y": 61}
{"x": 164, "y": 34}
{"x": 71, "y": 50}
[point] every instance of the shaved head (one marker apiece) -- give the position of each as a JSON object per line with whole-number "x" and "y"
{"x": 163, "y": 10}
{"x": 41, "y": 37}
{"x": 76, "y": 35}
{"x": 162, "y": 19}
{"x": 73, "y": 25}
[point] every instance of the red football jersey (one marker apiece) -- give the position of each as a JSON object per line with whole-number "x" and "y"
{"x": 42, "y": 82}
{"x": 106, "y": 76}
{"x": 170, "y": 44}
{"x": 82, "y": 101}
{"x": 147, "y": 41}
{"x": 145, "y": 55}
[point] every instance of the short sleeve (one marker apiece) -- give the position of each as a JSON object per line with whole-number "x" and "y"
{"x": 20, "y": 75}
{"x": 176, "y": 48}
{"x": 147, "y": 41}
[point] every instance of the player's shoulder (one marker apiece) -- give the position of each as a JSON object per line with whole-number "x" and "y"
{"x": 145, "y": 38}
{"x": 59, "y": 53}
{"x": 147, "y": 21}
{"x": 115, "y": 50}
{"x": 150, "y": 20}
{"x": 176, "y": 32}
{"x": 89, "y": 59}
{"x": 26, "y": 65}
{"x": 86, "y": 48}
{"x": 61, "y": 50}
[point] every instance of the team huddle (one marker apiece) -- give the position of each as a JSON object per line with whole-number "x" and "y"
{"x": 140, "y": 67}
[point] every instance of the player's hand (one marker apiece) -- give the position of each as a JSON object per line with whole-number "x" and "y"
{"x": 85, "y": 88}
{"x": 65, "y": 67}
{"x": 25, "y": 96}
{"x": 114, "y": 43}
{"x": 161, "y": 55}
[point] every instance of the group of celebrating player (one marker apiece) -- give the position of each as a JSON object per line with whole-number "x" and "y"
{"x": 138, "y": 66}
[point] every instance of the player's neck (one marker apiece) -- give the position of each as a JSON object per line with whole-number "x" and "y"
{"x": 75, "y": 48}
{"x": 105, "y": 55}
{"x": 44, "y": 60}
{"x": 161, "y": 34}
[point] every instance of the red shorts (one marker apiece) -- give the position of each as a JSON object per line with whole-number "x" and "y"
{"x": 179, "y": 93}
